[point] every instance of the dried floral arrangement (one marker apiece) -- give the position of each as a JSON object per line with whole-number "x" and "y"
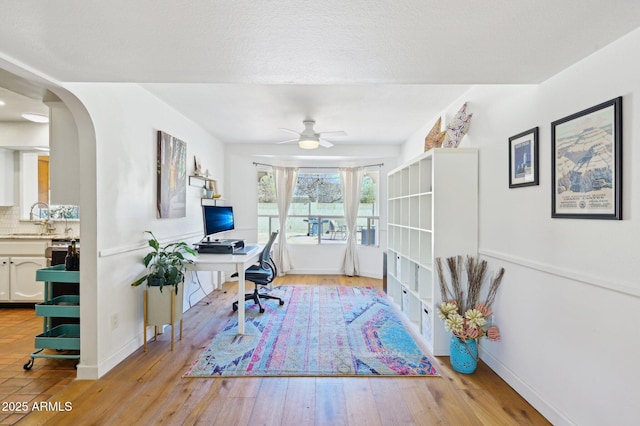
{"x": 461, "y": 310}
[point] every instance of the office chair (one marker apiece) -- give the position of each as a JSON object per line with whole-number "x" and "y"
{"x": 262, "y": 273}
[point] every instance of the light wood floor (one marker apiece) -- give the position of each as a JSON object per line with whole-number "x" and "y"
{"x": 148, "y": 388}
{"x": 18, "y": 328}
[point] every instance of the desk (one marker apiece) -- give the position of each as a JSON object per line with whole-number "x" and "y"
{"x": 229, "y": 263}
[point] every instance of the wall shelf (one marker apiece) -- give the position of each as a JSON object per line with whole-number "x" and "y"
{"x": 212, "y": 202}
{"x": 201, "y": 181}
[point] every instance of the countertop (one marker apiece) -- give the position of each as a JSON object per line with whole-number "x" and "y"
{"x": 27, "y": 236}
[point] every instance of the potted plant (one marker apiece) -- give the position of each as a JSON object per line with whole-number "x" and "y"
{"x": 464, "y": 314}
{"x": 166, "y": 266}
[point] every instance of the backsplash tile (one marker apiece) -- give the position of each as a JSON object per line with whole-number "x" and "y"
{"x": 10, "y": 223}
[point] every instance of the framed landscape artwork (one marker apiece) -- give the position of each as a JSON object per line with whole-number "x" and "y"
{"x": 523, "y": 159}
{"x": 587, "y": 163}
{"x": 172, "y": 176}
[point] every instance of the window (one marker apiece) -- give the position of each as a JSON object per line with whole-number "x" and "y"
{"x": 34, "y": 178}
{"x": 316, "y": 215}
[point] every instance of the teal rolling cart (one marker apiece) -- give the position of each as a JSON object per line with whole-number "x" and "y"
{"x": 62, "y": 339}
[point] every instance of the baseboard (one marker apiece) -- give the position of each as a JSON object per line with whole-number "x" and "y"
{"x": 367, "y": 274}
{"x": 87, "y": 372}
{"x": 544, "y": 407}
{"x": 94, "y": 372}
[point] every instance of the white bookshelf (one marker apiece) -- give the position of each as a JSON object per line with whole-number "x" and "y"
{"x": 433, "y": 212}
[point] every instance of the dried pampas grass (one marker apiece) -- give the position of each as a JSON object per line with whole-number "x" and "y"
{"x": 475, "y": 270}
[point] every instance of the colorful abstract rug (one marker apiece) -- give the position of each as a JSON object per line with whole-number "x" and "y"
{"x": 319, "y": 331}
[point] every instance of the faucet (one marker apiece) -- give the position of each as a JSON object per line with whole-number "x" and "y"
{"x": 47, "y": 221}
{"x": 67, "y": 228}
{"x": 42, "y": 204}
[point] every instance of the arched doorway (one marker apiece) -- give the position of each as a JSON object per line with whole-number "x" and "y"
{"x": 78, "y": 143}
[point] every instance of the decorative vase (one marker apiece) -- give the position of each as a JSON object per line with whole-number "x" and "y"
{"x": 464, "y": 355}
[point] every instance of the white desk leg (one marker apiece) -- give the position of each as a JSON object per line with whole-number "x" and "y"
{"x": 241, "y": 304}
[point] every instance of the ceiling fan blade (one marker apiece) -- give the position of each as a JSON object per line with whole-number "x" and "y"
{"x": 325, "y": 143}
{"x": 335, "y": 133}
{"x": 289, "y": 130}
{"x": 288, "y": 141}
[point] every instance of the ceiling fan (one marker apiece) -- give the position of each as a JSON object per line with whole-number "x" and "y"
{"x": 309, "y": 138}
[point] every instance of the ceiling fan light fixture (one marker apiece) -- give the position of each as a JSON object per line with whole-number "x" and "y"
{"x": 308, "y": 143}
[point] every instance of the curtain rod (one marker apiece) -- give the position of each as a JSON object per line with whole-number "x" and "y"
{"x": 317, "y": 167}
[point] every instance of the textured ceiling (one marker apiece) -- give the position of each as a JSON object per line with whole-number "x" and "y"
{"x": 380, "y": 114}
{"x": 244, "y": 68}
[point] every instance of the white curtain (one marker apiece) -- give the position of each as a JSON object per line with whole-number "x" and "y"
{"x": 351, "y": 182}
{"x": 285, "y": 181}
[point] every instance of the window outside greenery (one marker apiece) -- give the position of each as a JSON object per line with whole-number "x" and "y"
{"x": 57, "y": 212}
{"x": 65, "y": 212}
{"x": 316, "y": 215}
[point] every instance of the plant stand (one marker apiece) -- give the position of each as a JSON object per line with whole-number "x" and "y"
{"x": 161, "y": 308}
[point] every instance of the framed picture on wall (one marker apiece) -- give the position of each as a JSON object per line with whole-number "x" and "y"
{"x": 523, "y": 159}
{"x": 172, "y": 176}
{"x": 587, "y": 163}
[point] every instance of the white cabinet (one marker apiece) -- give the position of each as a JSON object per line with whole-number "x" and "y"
{"x": 18, "y": 279}
{"x": 5, "y": 277}
{"x": 24, "y": 287}
{"x": 19, "y": 261}
{"x": 432, "y": 212}
{"x": 7, "y": 170}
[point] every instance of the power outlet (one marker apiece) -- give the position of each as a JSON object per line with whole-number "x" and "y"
{"x": 114, "y": 321}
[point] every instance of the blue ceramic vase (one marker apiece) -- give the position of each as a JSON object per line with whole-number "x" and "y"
{"x": 464, "y": 355}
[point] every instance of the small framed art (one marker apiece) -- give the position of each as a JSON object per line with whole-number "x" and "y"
{"x": 523, "y": 159}
{"x": 587, "y": 163}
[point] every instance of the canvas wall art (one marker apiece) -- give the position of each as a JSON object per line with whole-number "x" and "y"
{"x": 172, "y": 176}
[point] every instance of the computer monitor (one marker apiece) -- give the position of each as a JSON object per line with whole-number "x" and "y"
{"x": 217, "y": 219}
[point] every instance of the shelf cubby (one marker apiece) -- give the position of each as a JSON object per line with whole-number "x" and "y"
{"x": 433, "y": 202}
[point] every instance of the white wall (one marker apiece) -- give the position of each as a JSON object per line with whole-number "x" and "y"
{"x": 27, "y": 179}
{"x": 64, "y": 180}
{"x": 569, "y": 302}
{"x": 241, "y": 192}
{"x": 126, "y": 119}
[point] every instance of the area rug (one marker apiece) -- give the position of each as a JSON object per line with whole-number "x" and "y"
{"x": 319, "y": 331}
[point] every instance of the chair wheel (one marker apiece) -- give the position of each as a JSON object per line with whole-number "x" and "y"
{"x": 281, "y": 302}
{"x": 262, "y": 310}
{"x": 235, "y": 307}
